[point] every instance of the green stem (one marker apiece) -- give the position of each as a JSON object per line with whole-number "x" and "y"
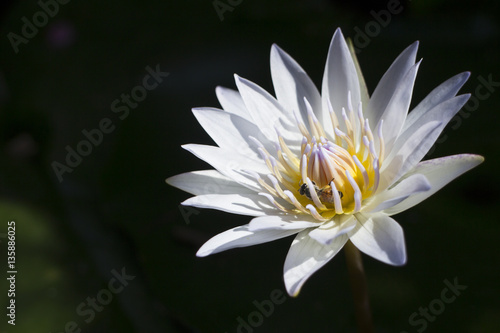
{"x": 359, "y": 288}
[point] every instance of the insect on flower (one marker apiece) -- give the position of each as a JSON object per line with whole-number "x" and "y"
{"x": 325, "y": 194}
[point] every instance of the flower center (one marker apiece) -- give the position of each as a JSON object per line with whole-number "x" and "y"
{"x": 332, "y": 175}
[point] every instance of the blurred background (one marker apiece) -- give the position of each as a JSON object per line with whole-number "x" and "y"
{"x": 101, "y": 243}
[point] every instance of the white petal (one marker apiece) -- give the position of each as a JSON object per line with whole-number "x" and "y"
{"x": 292, "y": 84}
{"x": 414, "y": 184}
{"x": 305, "y": 257}
{"x": 415, "y": 142}
{"x": 283, "y": 222}
{"x": 401, "y": 159}
{"x": 443, "y": 92}
{"x": 241, "y": 203}
{"x": 231, "y": 132}
{"x": 397, "y": 108}
{"x": 231, "y": 102}
{"x": 442, "y": 112}
{"x": 365, "y": 97}
{"x": 240, "y": 237}
{"x": 206, "y": 182}
{"x": 439, "y": 172}
{"x": 265, "y": 111}
{"x": 380, "y": 237}
{"x": 339, "y": 79}
{"x": 231, "y": 164}
{"x": 389, "y": 83}
{"x": 332, "y": 229}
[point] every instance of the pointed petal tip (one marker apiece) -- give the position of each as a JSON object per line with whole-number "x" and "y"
{"x": 196, "y": 110}
{"x": 277, "y": 52}
{"x": 412, "y": 49}
{"x": 479, "y": 158}
{"x": 397, "y": 261}
{"x": 400, "y": 262}
{"x": 338, "y": 34}
{"x": 460, "y": 79}
{"x": 186, "y": 146}
{"x": 293, "y": 290}
{"x": 187, "y": 202}
{"x": 241, "y": 80}
{"x": 203, "y": 252}
{"x": 474, "y": 158}
{"x": 418, "y": 63}
{"x": 175, "y": 181}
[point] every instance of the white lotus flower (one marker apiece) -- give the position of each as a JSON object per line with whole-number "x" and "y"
{"x": 329, "y": 167}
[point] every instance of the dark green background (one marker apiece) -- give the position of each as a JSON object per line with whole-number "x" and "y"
{"x": 115, "y": 211}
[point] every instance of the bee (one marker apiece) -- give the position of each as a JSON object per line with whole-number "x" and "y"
{"x": 325, "y": 194}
